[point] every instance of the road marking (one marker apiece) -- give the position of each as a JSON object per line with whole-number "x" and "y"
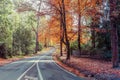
{"x": 63, "y": 68}
{"x": 35, "y": 61}
{"x": 39, "y": 72}
{"x": 30, "y": 78}
{"x": 26, "y": 71}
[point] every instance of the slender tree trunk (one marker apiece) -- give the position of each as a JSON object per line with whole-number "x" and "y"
{"x": 79, "y": 27}
{"x": 65, "y": 31}
{"x": 61, "y": 46}
{"x": 45, "y": 45}
{"x": 37, "y": 43}
{"x": 36, "y": 32}
{"x": 93, "y": 38}
{"x": 61, "y": 36}
{"x": 13, "y": 44}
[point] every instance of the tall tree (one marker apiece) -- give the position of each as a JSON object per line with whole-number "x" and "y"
{"x": 27, "y": 6}
{"x": 60, "y": 8}
{"x": 114, "y": 35}
{"x": 65, "y": 30}
{"x": 79, "y": 25}
{"x": 36, "y": 31}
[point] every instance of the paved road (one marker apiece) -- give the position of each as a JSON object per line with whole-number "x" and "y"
{"x": 40, "y": 67}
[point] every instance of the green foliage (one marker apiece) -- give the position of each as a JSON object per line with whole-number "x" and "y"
{"x": 86, "y": 46}
{"x": 5, "y": 26}
{"x": 16, "y": 30}
{"x": 74, "y": 45}
{"x": 40, "y": 46}
{"x": 103, "y": 41}
{"x": 22, "y": 40}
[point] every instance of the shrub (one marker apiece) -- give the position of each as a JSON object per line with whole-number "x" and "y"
{"x": 2, "y": 50}
{"x": 106, "y": 55}
{"x": 40, "y": 47}
{"x": 22, "y": 40}
{"x": 74, "y": 45}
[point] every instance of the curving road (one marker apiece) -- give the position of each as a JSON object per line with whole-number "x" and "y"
{"x": 40, "y": 67}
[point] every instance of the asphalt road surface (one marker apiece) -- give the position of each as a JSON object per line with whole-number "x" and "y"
{"x": 40, "y": 67}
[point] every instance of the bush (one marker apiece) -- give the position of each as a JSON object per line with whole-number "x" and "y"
{"x": 99, "y": 54}
{"x": 40, "y": 47}
{"x": 74, "y": 45}
{"x": 5, "y": 41}
{"x": 2, "y": 50}
{"x": 22, "y": 40}
{"x": 106, "y": 55}
{"x": 93, "y": 52}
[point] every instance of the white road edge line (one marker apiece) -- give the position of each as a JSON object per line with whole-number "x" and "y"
{"x": 63, "y": 68}
{"x": 26, "y": 71}
{"x": 39, "y": 72}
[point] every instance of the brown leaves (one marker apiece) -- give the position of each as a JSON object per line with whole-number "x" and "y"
{"x": 91, "y": 66}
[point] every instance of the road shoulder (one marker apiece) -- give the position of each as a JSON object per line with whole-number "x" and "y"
{"x": 70, "y": 69}
{"x": 88, "y": 69}
{"x": 16, "y": 58}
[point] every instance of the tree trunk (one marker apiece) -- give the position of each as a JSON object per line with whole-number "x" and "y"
{"x": 79, "y": 27}
{"x": 61, "y": 36}
{"x": 61, "y": 53}
{"x": 65, "y": 31}
{"x": 114, "y": 45}
{"x": 36, "y": 32}
{"x": 93, "y": 38}
{"x": 114, "y": 35}
{"x": 37, "y": 43}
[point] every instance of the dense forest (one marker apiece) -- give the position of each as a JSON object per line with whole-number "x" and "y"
{"x": 90, "y": 27}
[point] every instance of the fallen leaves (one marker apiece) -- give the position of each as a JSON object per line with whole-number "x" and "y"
{"x": 93, "y": 67}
